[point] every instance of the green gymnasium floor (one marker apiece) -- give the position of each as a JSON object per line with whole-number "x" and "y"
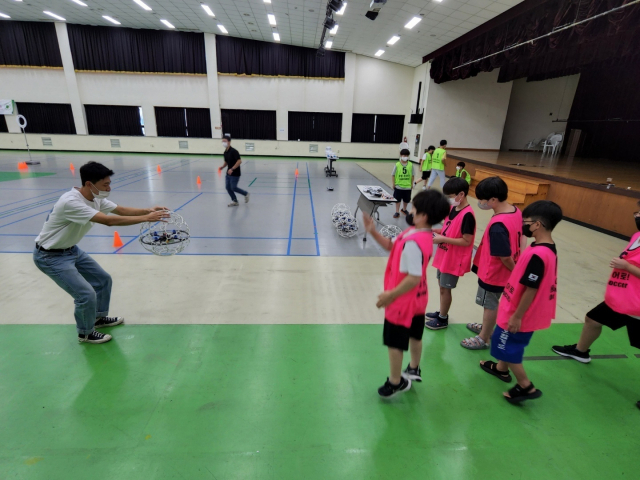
{"x": 300, "y": 402}
{"x": 9, "y": 176}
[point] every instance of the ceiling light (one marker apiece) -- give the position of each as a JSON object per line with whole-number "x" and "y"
{"x": 167, "y": 23}
{"x": 80, "y": 3}
{"x": 208, "y": 10}
{"x": 379, "y": 52}
{"x": 276, "y": 36}
{"x": 112, "y": 20}
{"x": 336, "y": 5}
{"x": 222, "y": 29}
{"x": 334, "y": 30}
{"x": 329, "y": 23}
{"x": 272, "y": 19}
{"x": 413, "y": 22}
{"x": 344, "y": 7}
{"x": 439, "y": 1}
{"x": 267, "y": 1}
{"x": 57, "y": 17}
{"x": 328, "y": 45}
{"x": 2, "y": 15}
{"x": 143, "y": 5}
{"x": 393, "y": 40}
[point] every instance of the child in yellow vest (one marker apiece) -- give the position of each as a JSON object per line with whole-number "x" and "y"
{"x": 462, "y": 173}
{"x": 425, "y": 166}
{"x": 437, "y": 164}
{"x": 402, "y": 181}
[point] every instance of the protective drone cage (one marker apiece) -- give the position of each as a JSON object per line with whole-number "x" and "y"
{"x": 345, "y": 223}
{"x": 390, "y": 231}
{"x": 165, "y": 238}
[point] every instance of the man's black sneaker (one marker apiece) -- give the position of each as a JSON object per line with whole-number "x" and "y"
{"x": 94, "y": 337}
{"x": 432, "y": 315}
{"x": 388, "y": 391}
{"x": 412, "y": 374}
{"x": 572, "y": 351}
{"x": 103, "y": 322}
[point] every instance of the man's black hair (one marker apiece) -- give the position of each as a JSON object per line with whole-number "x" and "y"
{"x": 227, "y": 137}
{"x": 461, "y": 164}
{"x": 434, "y": 204}
{"x": 443, "y": 143}
{"x": 492, "y": 187}
{"x": 455, "y": 185}
{"x": 405, "y": 152}
{"x": 431, "y": 147}
{"x": 544, "y": 211}
{"x": 94, "y": 172}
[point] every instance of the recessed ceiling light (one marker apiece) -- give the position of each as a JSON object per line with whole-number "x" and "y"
{"x": 222, "y": 29}
{"x": 166, "y": 22}
{"x": 413, "y": 22}
{"x": 334, "y": 30}
{"x": 276, "y": 36}
{"x": 57, "y": 17}
{"x": 143, "y": 5}
{"x": 208, "y": 10}
{"x": 80, "y": 3}
{"x": 379, "y": 52}
{"x": 344, "y": 6}
{"x": 112, "y": 20}
{"x": 272, "y": 19}
{"x": 439, "y": 1}
{"x": 2, "y": 15}
{"x": 393, "y": 40}
{"x": 267, "y": 1}
{"x": 328, "y": 45}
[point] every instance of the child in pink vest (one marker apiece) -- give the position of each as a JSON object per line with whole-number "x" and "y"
{"x": 529, "y": 301}
{"x": 455, "y": 247}
{"x": 496, "y": 256}
{"x": 621, "y": 306}
{"x": 405, "y": 288}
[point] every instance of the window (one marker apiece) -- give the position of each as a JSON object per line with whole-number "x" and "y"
{"x": 249, "y": 124}
{"x": 315, "y": 126}
{"x": 373, "y": 128}
{"x": 183, "y": 122}
{"x": 48, "y": 117}
{"x": 114, "y": 120}
{"x": 3, "y": 124}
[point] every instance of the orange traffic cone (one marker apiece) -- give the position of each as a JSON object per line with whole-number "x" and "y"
{"x": 198, "y": 181}
{"x": 23, "y": 166}
{"x": 296, "y": 172}
{"x": 159, "y": 169}
{"x": 117, "y": 241}
{"x": 71, "y": 167}
{"x": 220, "y": 172}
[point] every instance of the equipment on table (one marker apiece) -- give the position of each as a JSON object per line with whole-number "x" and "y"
{"x": 371, "y": 198}
{"x": 329, "y": 171}
{"x": 165, "y": 238}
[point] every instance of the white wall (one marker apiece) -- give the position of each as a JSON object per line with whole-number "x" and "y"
{"x": 468, "y": 113}
{"x": 382, "y": 87}
{"x": 39, "y": 85}
{"x": 534, "y": 106}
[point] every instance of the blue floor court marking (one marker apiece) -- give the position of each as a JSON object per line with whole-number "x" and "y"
{"x": 293, "y": 209}
{"x": 188, "y": 162}
{"x": 313, "y": 213}
{"x": 31, "y": 198}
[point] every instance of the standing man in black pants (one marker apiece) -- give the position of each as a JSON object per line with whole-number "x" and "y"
{"x": 232, "y": 161}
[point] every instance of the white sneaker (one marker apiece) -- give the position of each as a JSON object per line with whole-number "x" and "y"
{"x": 424, "y": 188}
{"x": 233, "y": 204}
{"x": 246, "y": 199}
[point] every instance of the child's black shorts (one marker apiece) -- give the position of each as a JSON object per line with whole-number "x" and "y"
{"x": 397, "y": 336}
{"x": 402, "y": 195}
{"x": 605, "y": 315}
{"x": 426, "y": 174}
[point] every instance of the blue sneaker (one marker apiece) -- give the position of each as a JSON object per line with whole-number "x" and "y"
{"x": 438, "y": 323}
{"x": 432, "y": 315}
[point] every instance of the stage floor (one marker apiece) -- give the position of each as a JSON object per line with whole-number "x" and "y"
{"x": 591, "y": 170}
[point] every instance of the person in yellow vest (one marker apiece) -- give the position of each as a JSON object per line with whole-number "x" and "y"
{"x": 462, "y": 173}
{"x": 402, "y": 178}
{"x": 425, "y": 166}
{"x": 437, "y": 164}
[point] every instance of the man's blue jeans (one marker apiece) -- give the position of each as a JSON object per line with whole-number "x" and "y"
{"x": 81, "y": 277}
{"x": 231, "y": 184}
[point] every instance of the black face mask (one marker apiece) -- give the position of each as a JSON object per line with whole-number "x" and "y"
{"x": 638, "y": 223}
{"x": 526, "y": 231}
{"x": 409, "y": 219}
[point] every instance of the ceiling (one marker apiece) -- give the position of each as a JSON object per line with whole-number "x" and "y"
{"x": 299, "y": 22}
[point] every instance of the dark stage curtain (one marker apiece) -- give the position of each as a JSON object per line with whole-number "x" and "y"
{"x": 3, "y": 124}
{"x": 132, "y": 50}
{"x": 32, "y": 44}
{"x": 238, "y": 56}
{"x": 48, "y": 117}
{"x": 171, "y": 122}
{"x": 606, "y": 108}
{"x": 113, "y": 120}
{"x": 249, "y": 124}
{"x": 389, "y": 128}
{"x": 611, "y": 36}
{"x": 315, "y": 126}
{"x": 363, "y": 127}
{"x": 199, "y": 123}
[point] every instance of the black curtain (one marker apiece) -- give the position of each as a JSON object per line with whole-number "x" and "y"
{"x": 33, "y": 44}
{"x": 3, "y": 124}
{"x": 48, "y": 117}
{"x": 113, "y": 120}
{"x": 606, "y": 108}
{"x": 199, "y": 123}
{"x": 315, "y": 126}
{"x": 389, "y": 128}
{"x": 615, "y": 35}
{"x": 363, "y": 127}
{"x": 250, "y": 124}
{"x": 171, "y": 122}
{"x": 133, "y": 50}
{"x": 239, "y": 56}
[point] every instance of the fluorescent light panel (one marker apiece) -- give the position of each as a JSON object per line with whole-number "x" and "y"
{"x": 393, "y": 40}
{"x": 80, "y": 3}
{"x": 166, "y": 22}
{"x": 143, "y": 5}
{"x": 208, "y": 10}
{"x": 3, "y": 15}
{"x": 344, "y": 7}
{"x": 379, "y": 52}
{"x": 57, "y": 17}
{"x": 267, "y": 1}
{"x": 222, "y": 29}
{"x": 276, "y": 36}
{"x": 334, "y": 30}
{"x": 272, "y": 19}
{"x": 112, "y": 20}
{"x": 413, "y": 22}
{"x": 328, "y": 45}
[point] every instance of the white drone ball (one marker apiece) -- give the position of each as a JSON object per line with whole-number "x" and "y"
{"x": 390, "y": 231}
{"x": 165, "y": 238}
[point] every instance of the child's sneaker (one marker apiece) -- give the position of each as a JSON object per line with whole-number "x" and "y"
{"x": 246, "y": 198}
{"x": 572, "y": 351}
{"x": 396, "y": 215}
{"x": 413, "y": 374}
{"x": 437, "y": 323}
{"x": 233, "y": 204}
{"x": 432, "y": 315}
{"x": 94, "y": 337}
{"x": 104, "y": 322}
{"x": 388, "y": 391}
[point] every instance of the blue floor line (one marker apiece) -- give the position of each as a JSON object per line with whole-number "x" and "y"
{"x": 156, "y": 174}
{"x": 313, "y": 214}
{"x": 26, "y": 218}
{"x": 37, "y": 196}
{"x": 293, "y": 209}
{"x": 26, "y": 208}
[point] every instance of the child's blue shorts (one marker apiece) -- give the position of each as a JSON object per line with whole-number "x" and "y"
{"x": 509, "y": 347}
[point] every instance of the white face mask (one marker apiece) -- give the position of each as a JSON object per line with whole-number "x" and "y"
{"x": 484, "y": 206}
{"x": 225, "y": 144}
{"x": 458, "y": 168}
{"x": 404, "y": 159}
{"x": 100, "y": 194}
{"x": 453, "y": 202}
